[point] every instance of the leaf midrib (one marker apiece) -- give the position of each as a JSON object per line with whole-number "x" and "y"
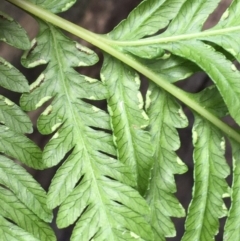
{"x": 76, "y": 123}
{"x": 176, "y": 38}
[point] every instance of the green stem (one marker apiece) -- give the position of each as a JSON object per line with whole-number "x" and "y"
{"x": 102, "y": 43}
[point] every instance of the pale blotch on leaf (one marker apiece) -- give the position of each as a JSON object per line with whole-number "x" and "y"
{"x": 84, "y": 49}
{"x": 38, "y": 82}
{"x": 55, "y": 126}
{"x": 225, "y": 195}
{"x": 90, "y": 80}
{"x": 48, "y": 110}
{"x": 95, "y": 109}
{"x": 110, "y": 110}
{"x": 223, "y": 144}
{"x": 181, "y": 114}
{"x": 36, "y": 63}
{"x": 165, "y": 56}
{"x": 33, "y": 44}
{"x": 209, "y": 47}
{"x": 224, "y": 207}
{"x": 82, "y": 64}
{"x": 121, "y": 107}
{"x": 56, "y": 135}
{"x": 194, "y": 136}
{"x": 5, "y": 63}
{"x": 233, "y": 67}
{"x": 145, "y": 116}
{"x": 232, "y": 51}
{"x": 140, "y": 99}
{"x": 103, "y": 78}
{"x": 234, "y": 163}
{"x": 115, "y": 140}
{"x": 42, "y": 101}
{"x": 180, "y": 162}
{"x": 225, "y": 15}
{"x": 137, "y": 79}
{"x": 67, "y": 6}
{"x": 148, "y": 99}
{"x": 134, "y": 235}
{"x": 92, "y": 98}
{"x": 8, "y": 102}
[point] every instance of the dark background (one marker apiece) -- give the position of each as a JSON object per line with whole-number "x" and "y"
{"x": 101, "y": 16}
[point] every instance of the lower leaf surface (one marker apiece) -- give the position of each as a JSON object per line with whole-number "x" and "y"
{"x": 232, "y": 226}
{"x": 23, "y": 201}
{"x": 165, "y": 116}
{"x": 210, "y": 185}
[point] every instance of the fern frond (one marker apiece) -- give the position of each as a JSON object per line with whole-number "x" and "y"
{"x": 12, "y": 33}
{"x": 232, "y": 226}
{"x": 228, "y": 39}
{"x": 170, "y": 67}
{"x": 11, "y": 78}
{"x": 23, "y": 211}
{"x": 9, "y": 231}
{"x": 24, "y": 202}
{"x": 165, "y": 116}
{"x": 221, "y": 71}
{"x": 146, "y": 19}
{"x": 91, "y": 187}
{"x": 55, "y": 6}
{"x": 128, "y": 120}
{"x": 210, "y": 171}
{"x": 210, "y": 185}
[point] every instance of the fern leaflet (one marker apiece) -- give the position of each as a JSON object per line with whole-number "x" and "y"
{"x": 22, "y": 199}
{"x": 90, "y": 187}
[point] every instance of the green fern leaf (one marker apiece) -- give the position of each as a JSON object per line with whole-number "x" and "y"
{"x": 20, "y": 147}
{"x": 55, "y": 6}
{"x": 11, "y": 78}
{"x": 9, "y": 231}
{"x": 171, "y": 67}
{"x": 232, "y": 226}
{"x": 146, "y": 19}
{"x": 90, "y": 186}
{"x": 151, "y": 52}
{"x": 13, "y": 117}
{"x": 24, "y": 201}
{"x": 222, "y": 71}
{"x": 12, "y": 33}
{"x": 191, "y": 17}
{"x": 210, "y": 165}
{"x": 211, "y": 100}
{"x": 128, "y": 120}
{"x": 165, "y": 115}
{"x": 228, "y": 40}
{"x": 210, "y": 169}
{"x": 210, "y": 186}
